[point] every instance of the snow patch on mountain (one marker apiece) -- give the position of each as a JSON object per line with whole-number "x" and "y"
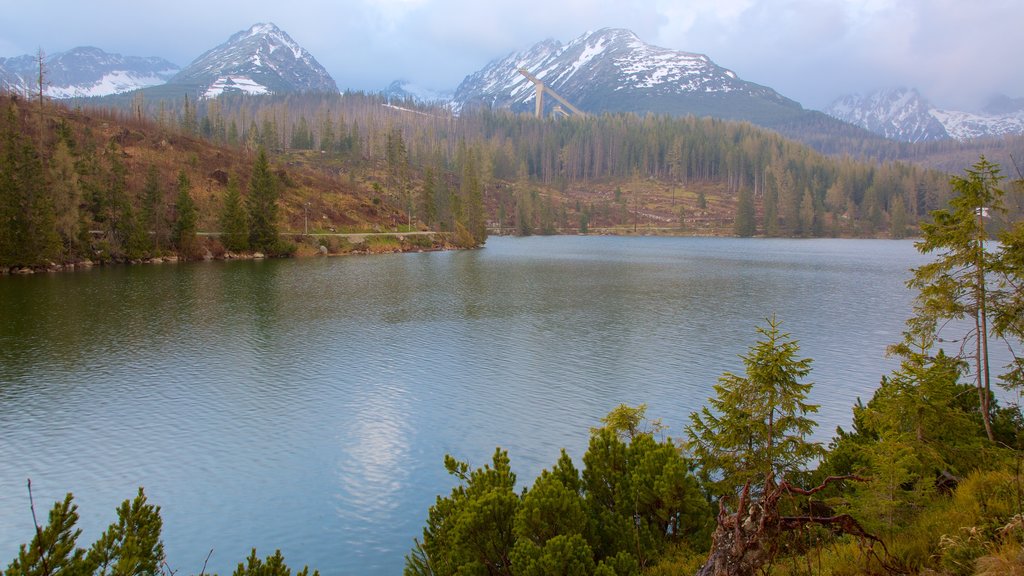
{"x": 603, "y": 70}
{"x": 112, "y": 83}
{"x": 897, "y": 113}
{"x": 260, "y": 60}
{"x": 84, "y": 71}
{"x": 234, "y": 84}
{"x": 968, "y": 125}
{"x": 903, "y": 114}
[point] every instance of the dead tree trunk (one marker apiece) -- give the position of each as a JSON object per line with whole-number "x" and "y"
{"x": 748, "y": 539}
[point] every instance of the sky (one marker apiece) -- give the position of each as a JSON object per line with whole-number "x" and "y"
{"x": 956, "y": 53}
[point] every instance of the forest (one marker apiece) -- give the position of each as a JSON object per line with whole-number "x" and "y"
{"x": 927, "y": 480}
{"x": 358, "y": 163}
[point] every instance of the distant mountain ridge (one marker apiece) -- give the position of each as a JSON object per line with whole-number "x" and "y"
{"x": 401, "y": 90}
{"x": 84, "y": 71}
{"x": 260, "y": 60}
{"x": 612, "y": 70}
{"x": 903, "y": 114}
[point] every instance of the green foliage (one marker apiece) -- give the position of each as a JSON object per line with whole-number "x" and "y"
{"x": 185, "y": 221}
{"x": 471, "y": 531}
{"x": 471, "y": 193}
{"x": 634, "y": 499}
{"x": 562, "y": 555}
{"x": 745, "y": 225}
{"x": 759, "y": 428}
{"x": 132, "y": 545}
{"x": 1008, "y": 317}
{"x": 66, "y": 190}
{"x": 28, "y": 232}
{"x": 154, "y": 219}
{"x": 52, "y": 551}
{"x": 274, "y": 565}
{"x": 234, "y": 224}
{"x": 262, "y": 206}
{"x": 953, "y": 287}
{"x": 628, "y": 421}
{"x": 129, "y": 547}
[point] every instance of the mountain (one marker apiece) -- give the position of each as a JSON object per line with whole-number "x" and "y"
{"x": 612, "y": 70}
{"x": 402, "y": 90}
{"x": 897, "y": 113}
{"x": 84, "y": 72}
{"x": 903, "y": 114}
{"x": 260, "y": 60}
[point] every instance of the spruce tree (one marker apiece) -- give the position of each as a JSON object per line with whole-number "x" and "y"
{"x": 758, "y": 428}
{"x": 745, "y": 226}
{"x": 153, "y": 216}
{"x": 234, "y": 225}
{"x": 28, "y": 231}
{"x": 185, "y": 219}
{"x": 262, "y": 204}
{"x": 953, "y": 287}
{"x": 428, "y": 206}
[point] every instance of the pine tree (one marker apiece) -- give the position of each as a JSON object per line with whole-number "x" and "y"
{"x": 472, "y": 198}
{"x": 67, "y": 194}
{"x": 262, "y": 206}
{"x": 428, "y": 205}
{"x": 759, "y": 427}
{"x": 184, "y": 231}
{"x": 898, "y": 218}
{"x": 807, "y": 214}
{"x": 953, "y": 287}
{"x": 234, "y": 224}
{"x": 131, "y": 546}
{"x": 28, "y": 232}
{"x": 745, "y": 225}
{"x": 52, "y": 550}
{"x": 154, "y": 218}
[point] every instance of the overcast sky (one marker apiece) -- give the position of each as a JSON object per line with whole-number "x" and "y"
{"x": 956, "y": 52}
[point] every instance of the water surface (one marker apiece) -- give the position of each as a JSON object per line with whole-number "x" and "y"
{"x": 307, "y": 404}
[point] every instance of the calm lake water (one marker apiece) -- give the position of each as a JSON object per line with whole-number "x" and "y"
{"x": 307, "y": 404}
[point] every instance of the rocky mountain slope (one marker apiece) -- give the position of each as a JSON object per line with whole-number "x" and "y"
{"x": 84, "y": 72}
{"x": 260, "y": 60}
{"x": 903, "y": 114}
{"x": 612, "y": 70}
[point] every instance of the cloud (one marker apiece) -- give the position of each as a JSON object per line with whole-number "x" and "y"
{"x": 810, "y": 50}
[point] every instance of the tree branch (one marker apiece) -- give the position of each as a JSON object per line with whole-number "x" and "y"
{"x": 786, "y": 486}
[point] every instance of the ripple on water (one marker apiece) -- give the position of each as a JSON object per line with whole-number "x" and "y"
{"x": 307, "y": 405}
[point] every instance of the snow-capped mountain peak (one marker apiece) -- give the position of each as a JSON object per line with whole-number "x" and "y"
{"x": 263, "y": 59}
{"x": 896, "y": 113}
{"x": 612, "y": 69}
{"x": 903, "y": 114}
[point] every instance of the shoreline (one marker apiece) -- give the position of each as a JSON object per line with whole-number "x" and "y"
{"x": 368, "y": 243}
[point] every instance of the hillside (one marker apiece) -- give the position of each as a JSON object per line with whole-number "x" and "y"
{"x": 88, "y": 197}
{"x": 357, "y": 162}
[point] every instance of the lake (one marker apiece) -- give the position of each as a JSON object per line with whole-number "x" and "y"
{"x": 307, "y": 404}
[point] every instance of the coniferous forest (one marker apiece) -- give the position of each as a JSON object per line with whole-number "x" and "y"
{"x": 357, "y": 163}
{"x": 927, "y": 480}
